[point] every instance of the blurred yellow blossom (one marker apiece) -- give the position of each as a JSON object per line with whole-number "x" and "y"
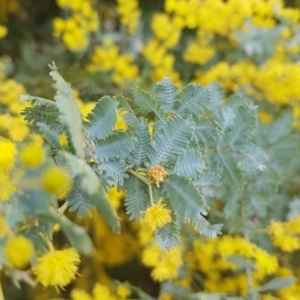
{"x": 19, "y": 251}
{"x": 57, "y": 268}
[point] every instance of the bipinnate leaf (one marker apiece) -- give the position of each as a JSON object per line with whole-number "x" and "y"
{"x": 166, "y": 94}
{"x": 76, "y": 235}
{"x": 195, "y": 99}
{"x": 115, "y": 146}
{"x": 70, "y": 115}
{"x": 141, "y": 132}
{"x": 171, "y": 140}
{"x": 102, "y": 118}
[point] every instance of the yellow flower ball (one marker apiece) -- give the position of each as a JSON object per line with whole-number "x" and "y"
{"x": 157, "y": 216}
{"x": 32, "y": 155}
{"x": 57, "y": 268}
{"x": 19, "y": 251}
{"x": 56, "y": 181}
{"x": 7, "y": 157}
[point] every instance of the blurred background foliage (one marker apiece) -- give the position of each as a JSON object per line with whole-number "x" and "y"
{"x": 103, "y": 48}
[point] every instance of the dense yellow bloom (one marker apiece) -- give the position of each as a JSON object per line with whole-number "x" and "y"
{"x": 56, "y": 181}
{"x": 8, "y": 151}
{"x": 165, "y": 263}
{"x": 32, "y": 155}
{"x": 115, "y": 197}
{"x": 3, "y": 31}
{"x": 285, "y": 235}
{"x": 19, "y": 251}
{"x": 123, "y": 291}
{"x": 10, "y": 91}
{"x": 76, "y": 29}
{"x": 129, "y": 13}
{"x": 78, "y": 294}
{"x": 102, "y": 292}
{"x": 57, "y": 268}
{"x": 157, "y": 216}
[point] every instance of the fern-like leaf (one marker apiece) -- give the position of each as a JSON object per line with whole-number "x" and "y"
{"x": 185, "y": 198}
{"x": 244, "y": 125}
{"x": 251, "y": 158}
{"x": 146, "y": 102}
{"x": 171, "y": 140}
{"x": 70, "y": 115}
{"x": 37, "y": 101}
{"x": 195, "y": 99}
{"x": 116, "y": 170}
{"x": 166, "y": 93}
{"x": 102, "y": 118}
{"x": 49, "y": 117}
{"x": 168, "y": 236}
{"x": 78, "y": 201}
{"x": 204, "y": 227}
{"x": 205, "y": 130}
{"x": 50, "y": 136}
{"x": 226, "y": 164}
{"x": 141, "y": 144}
{"x": 115, "y": 146}
{"x": 136, "y": 197}
{"x": 189, "y": 164}
{"x": 125, "y": 109}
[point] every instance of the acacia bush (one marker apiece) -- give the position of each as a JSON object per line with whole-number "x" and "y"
{"x": 159, "y": 160}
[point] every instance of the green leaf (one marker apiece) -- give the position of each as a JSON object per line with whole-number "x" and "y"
{"x": 89, "y": 181}
{"x": 251, "y": 158}
{"x": 76, "y": 235}
{"x": 185, "y": 198}
{"x": 244, "y": 125}
{"x": 189, "y": 164}
{"x": 171, "y": 140}
{"x": 146, "y": 103}
{"x": 137, "y": 198}
{"x": 141, "y": 144}
{"x": 281, "y": 127}
{"x": 205, "y": 130}
{"x": 277, "y": 284}
{"x": 168, "y": 236}
{"x": 115, "y": 146}
{"x": 195, "y": 99}
{"x": 77, "y": 200}
{"x": 166, "y": 93}
{"x": 114, "y": 169}
{"x": 50, "y": 136}
{"x": 126, "y": 111}
{"x": 37, "y": 101}
{"x": 226, "y": 164}
{"x": 49, "y": 117}
{"x": 102, "y": 118}
{"x": 204, "y": 227}
{"x": 208, "y": 179}
{"x": 106, "y": 210}
{"x": 70, "y": 115}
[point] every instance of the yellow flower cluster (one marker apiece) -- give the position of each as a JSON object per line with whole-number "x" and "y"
{"x": 76, "y": 29}
{"x": 3, "y": 31}
{"x": 129, "y": 13}
{"x": 157, "y": 216}
{"x": 166, "y": 35}
{"x": 224, "y": 17}
{"x": 285, "y": 235}
{"x": 57, "y": 267}
{"x": 19, "y": 251}
{"x": 165, "y": 263}
{"x": 102, "y": 292}
{"x": 108, "y": 58}
{"x": 8, "y": 7}
{"x": 209, "y": 257}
